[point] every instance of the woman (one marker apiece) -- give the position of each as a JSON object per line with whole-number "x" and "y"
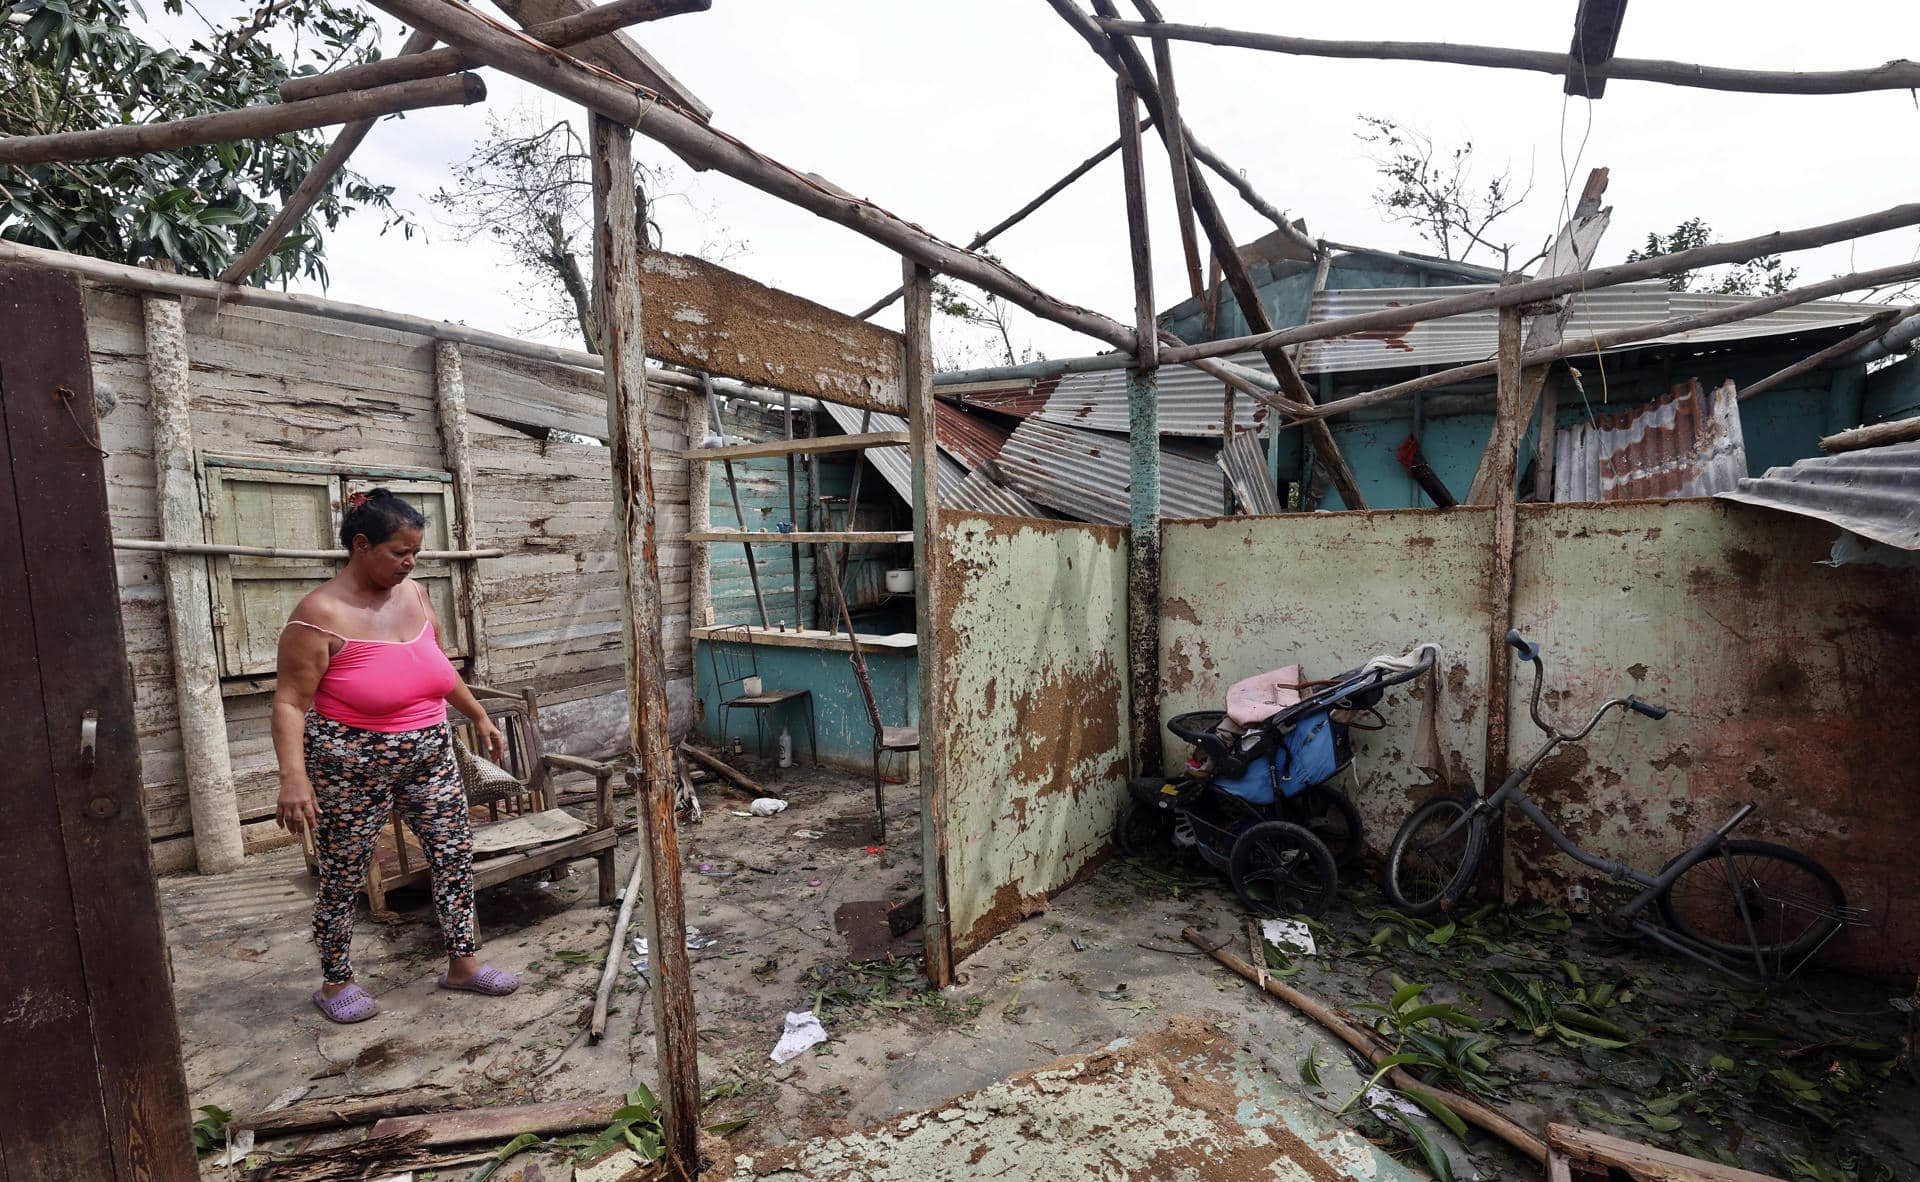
{"x": 359, "y": 724}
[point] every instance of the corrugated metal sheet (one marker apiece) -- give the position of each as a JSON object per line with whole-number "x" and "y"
{"x": 955, "y": 489}
{"x": 1246, "y": 465}
{"x": 1453, "y": 340}
{"x": 972, "y": 439}
{"x": 1190, "y": 401}
{"x": 1017, "y": 398}
{"x": 1086, "y": 474}
{"x": 1875, "y": 492}
{"x": 1687, "y": 444}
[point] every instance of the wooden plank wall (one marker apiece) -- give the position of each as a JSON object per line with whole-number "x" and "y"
{"x": 302, "y": 388}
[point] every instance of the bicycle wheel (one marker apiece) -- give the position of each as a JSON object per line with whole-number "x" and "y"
{"x": 1279, "y": 868}
{"x": 1428, "y": 867}
{"x": 1795, "y": 904}
{"x": 1144, "y": 829}
{"x": 1329, "y": 815}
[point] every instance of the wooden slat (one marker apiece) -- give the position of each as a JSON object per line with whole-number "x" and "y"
{"x": 1641, "y": 1161}
{"x": 501, "y": 1123}
{"x": 819, "y": 445}
{"x": 713, "y": 319}
{"x": 800, "y": 539}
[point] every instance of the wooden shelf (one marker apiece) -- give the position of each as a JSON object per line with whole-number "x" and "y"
{"x": 812, "y": 638}
{"x": 776, "y": 538}
{"x": 819, "y": 445}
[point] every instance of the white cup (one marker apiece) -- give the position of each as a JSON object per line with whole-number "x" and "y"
{"x": 752, "y": 687}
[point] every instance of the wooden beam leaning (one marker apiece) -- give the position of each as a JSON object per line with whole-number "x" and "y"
{"x": 1500, "y": 577}
{"x": 616, "y": 100}
{"x": 1017, "y": 216}
{"x": 616, "y": 250}
{"x": 207, "y": 760}
{"x": 267, "y": 119}
{"x": 930, "y": 608}
{"x": 1572, "y": 251}
{"x": 615, "y": 53}
{"x": 1745, "y": 310}
{"x": 1894, "y": 75}
{"x": 1127, "y": 61}
{"x": 595, "y": 22}
{"x": 1596, "y": 30}
{"x": 1179, "y": 156}
{"x": 1870, "y": 332}
{"x": 1249, "y": 194}
{"x": 318, "y": 177}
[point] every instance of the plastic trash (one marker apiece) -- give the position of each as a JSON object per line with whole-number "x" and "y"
{"x": 803, "y": 1030}
{"x": 766, "y": 806}
{"x": 1289, "y": 934}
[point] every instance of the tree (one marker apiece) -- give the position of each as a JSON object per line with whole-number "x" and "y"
{"x": 1766, "y": 275}
{"x": 982, "y": 311}
{"x": 1435, "y": 190}
{"x": 529, "y": 188}
{"x": 68, "y": 65}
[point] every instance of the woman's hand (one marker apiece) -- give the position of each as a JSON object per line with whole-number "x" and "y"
{"x": 296, "y": 809}
{"x": 491, "y": 740}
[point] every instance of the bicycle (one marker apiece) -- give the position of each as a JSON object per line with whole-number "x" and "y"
{"x": 1722, "y": 902}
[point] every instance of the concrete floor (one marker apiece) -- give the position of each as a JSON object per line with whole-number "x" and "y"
{"x": 1104, "y": 964}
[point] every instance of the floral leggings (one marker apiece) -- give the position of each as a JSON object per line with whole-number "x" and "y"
{"x": 358, "y": 776}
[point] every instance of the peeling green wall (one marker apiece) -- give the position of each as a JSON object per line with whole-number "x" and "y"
{"x": 1328, "y": 591}
{"x": 1033, "y": 759}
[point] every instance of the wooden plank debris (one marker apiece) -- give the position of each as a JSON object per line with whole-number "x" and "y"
{"x": 1569, "y": 1145}
{"x": 501, "y": 1122}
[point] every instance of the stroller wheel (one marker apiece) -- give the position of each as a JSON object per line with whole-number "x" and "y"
{"x": 1279, "y": 868}
{"x": 1329, "y": 815}
{"x": 1144, "y": 829}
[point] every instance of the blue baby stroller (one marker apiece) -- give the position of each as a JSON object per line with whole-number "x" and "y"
{"x": 1257, "y": 800}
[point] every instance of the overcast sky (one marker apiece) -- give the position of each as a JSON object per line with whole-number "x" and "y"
{"x": 951, "y": 115}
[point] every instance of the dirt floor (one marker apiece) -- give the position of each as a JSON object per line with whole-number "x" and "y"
{"x": 1782, "y": 1084}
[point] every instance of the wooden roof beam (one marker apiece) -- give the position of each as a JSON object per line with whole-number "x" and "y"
{"x": 1596, "y": 30}
{"x": 616, "y": 52}
{"x": 1899, "y": 74}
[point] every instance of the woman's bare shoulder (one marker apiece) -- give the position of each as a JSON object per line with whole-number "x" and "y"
{"x": 321, "y": 607}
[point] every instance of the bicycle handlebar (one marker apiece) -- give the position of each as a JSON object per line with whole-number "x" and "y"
{"x": 1647, "y": 708}
{"x": 1529, "y": 651}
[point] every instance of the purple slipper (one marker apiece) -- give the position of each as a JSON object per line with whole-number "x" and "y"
{"x": 352, "y": 1004}
{"x": 489, "y": 980}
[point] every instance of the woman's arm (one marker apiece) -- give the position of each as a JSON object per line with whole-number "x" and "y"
{"x": 491, "y": 740}
{"x": 304, "y": 656}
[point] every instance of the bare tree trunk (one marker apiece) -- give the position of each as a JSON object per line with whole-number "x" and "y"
{"x": 567, "y": 268}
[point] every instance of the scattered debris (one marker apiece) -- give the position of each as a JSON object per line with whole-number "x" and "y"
{"x": 803, "y": 1031}
{"x": 767, "y": 806}
{"x": 907, "y": 915}
{"x": 733, "y": 779}
{"x": 488, "y": 1124}
{"x": 336, "y": 1112}
{"x": 1289, "y": 933}
{"x": 696, "y": 940}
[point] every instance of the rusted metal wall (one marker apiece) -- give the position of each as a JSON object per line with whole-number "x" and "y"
{"x": 1242, "y": 595}
{"x": 707, "y": 317}
{"x": 1033, "y": 758}
{"x": 1792, "y": 685}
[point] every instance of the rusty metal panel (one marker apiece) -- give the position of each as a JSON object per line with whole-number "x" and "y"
{"x": 1033, "y": 755}
{"x": 957, "y": 487}
{"x": 1686, "y": 444}
{"x": 706, "y": 317}
{"x": 1246, "y": 466}
{"x": 972, "y": 439}
{"x": 1086, "y": 474}
{"x": 1327, "y": 591}
{"x": 1018, "y": 398}
{"x": 1875, "y": 492}
{"x": 1791, "y": 685}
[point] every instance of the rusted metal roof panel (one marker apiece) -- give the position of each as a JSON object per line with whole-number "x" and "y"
{"x": 1686, "y": 444}
{"x": 1087, "y": 474}
{"x": 1017, "y": 398}
{"x": 1454, "y": 340}
{"x": 1874, "y": 492}
{"x": 971, "y": 439}
{"x": 956, "y": 487}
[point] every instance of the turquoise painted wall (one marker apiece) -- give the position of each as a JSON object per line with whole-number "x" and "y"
{"x": 1893, "y": 392}
{"x": 1285, "y": 288}
{"x": 840, "y": 714}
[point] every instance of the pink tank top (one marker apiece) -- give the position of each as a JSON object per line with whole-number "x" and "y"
{"x": 387, "y": 685}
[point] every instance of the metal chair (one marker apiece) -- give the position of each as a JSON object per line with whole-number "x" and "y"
{"x": 731, "y": 653}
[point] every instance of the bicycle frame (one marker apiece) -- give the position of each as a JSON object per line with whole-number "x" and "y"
{"x": 1512, "y": 792}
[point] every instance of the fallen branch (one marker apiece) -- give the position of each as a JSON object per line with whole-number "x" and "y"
{"x": 1878, "y": 435}
{"x": 501, "y": 1123}
{"x": 337, "y": 1112}
{"x": 610, "y": 972}
{"x": 713, "y": 764}
{"x": 1895, "y": 75}
{"x": 1471, "y": 1111}
{"x": 267, "y": 119}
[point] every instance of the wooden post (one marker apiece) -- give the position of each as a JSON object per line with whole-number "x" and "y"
{"x": 1500, "y": 584}
{"x": 616, "y": 256}
{"x": 916, "y": 373}
{"x": 1543, "y": 441}
{"x": 1180, "y": 156}
{"x": 456, "y": 439}
{"x": 208, "y": 763}
{"x": 699, "y": 520}
{"x": 1143, "y": 437}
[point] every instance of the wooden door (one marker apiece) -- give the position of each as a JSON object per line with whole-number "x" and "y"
{"x": 94, "y": 1089}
